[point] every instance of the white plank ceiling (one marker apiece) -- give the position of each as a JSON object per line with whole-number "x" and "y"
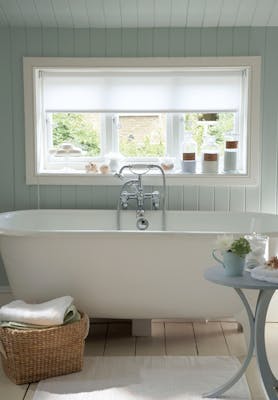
{"x": 138, "y": 13}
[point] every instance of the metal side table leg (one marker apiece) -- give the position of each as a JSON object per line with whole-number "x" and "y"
{"x": 269, "y": 380}
{"x": 222, "y": 389}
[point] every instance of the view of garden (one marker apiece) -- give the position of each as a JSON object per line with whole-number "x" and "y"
{"x": 139, "y": 135}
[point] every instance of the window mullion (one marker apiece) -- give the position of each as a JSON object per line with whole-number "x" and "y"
{"x": 109, "y": 133}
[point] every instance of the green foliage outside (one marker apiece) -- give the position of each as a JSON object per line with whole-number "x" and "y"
{"x": 224, "y": 124}
{"x": 76, "y": 129}
{"x": 131, "y": 148}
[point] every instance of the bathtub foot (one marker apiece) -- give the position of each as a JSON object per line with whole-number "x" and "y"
{"x": 239, "y": 327}
{"x": 141, "y": 327}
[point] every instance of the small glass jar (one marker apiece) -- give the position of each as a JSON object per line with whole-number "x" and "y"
{"x": 210, "y": 156}
{"x": 231, "y": 153}
{"x": 259, "y": 250}
{"x": 189, "y": 151}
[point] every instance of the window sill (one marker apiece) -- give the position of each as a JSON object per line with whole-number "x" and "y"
{"x": 172, "y": 179}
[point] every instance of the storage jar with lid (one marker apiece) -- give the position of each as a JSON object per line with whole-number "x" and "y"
{"x": 189, "y": 152}
{"x": 231, "y": 153}
{"x": 210, "y": 156}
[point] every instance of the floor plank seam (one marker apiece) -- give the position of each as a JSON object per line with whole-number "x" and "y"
{"x": 105, "y": 339}
{"x": 26, "y": 391}
{"x": 195, "y": 339}
{"x": 227, "y": 344}
{"x": 136, "y": 340}
{"x": 165, "y": 339}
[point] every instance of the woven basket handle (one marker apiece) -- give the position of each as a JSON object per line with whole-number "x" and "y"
{"x": 87, "y": 326}
{"x": 2, "y": 350}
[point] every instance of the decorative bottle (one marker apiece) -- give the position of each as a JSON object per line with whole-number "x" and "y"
{"x": 259, "y": 250}
{"x": 210, "y": 156}
{"x": 189, "y": 150}
{"x": 231, "y": 153}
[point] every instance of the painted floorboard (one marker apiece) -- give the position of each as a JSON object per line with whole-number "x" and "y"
{"x": 169, "y": 338}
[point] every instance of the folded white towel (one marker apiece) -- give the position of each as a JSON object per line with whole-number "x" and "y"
{"x": 49, "y": 313}
{"x": 265, "y": 274}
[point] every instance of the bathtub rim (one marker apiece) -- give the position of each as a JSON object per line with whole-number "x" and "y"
{"x": 7, "y": 232}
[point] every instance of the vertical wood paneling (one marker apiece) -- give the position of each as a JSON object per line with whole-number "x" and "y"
{"x": 269, "y": 145}
{"x": 240, "y": 41}
{"x": 190, "y": 197}
{"x": 98, "y": 42}
{"x": 206, "y": 198}
{"x": 208, "y": 42}
{"x": 257, "y": 40}
{"x": 161, "y": 42}
{"x": 176, "y": 42}
{"x": 237, "y": 199}
{"x": 133, "y": 42}
{"x": 175, "y": 198}
{"x": 50, "y": 39}
{"x": 193, "y": 42}
{"x": 113, "y": 193}
{"x": 84, "y": 197}
{"x": 50, "y": 196}
{"x": 221, "y": 198}
{"x": 34, "y": 47}
{"x": 130, "y": 42}
{"x": 18, "y": 43}
{"x": 67, "y": 48}
{"x": 145, "y": 42}
{"x": 224, "y": 38}
{"x": 7, "y": 198}
{"x": 82, "y": 42}
{"x": 65, "y": 42}
{"x": 68, "y": 197}
{"x": 114, "y": 43}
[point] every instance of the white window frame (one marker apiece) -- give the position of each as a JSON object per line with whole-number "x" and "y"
{"x": 32, "y": 123}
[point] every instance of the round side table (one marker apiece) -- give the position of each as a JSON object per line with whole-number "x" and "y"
{"x": 257, "y": 327}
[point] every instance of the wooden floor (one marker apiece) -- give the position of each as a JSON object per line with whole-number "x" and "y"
{"x": 169, "y": 338}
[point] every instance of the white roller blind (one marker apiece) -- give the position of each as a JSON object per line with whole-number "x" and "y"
{"x": 142, "y": 90}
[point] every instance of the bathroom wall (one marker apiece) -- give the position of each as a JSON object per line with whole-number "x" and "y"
{"x": 18, "y": 42}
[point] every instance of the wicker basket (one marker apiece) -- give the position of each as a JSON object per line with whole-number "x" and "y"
{"x": 35, "y": 354}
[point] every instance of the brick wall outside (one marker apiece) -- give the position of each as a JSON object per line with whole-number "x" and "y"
{"x": 134, "y": 126}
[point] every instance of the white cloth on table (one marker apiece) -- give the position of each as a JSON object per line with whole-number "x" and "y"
{"x": 265, "y": 274}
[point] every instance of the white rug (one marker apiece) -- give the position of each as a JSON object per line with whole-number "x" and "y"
{"x": 144, "y": 378}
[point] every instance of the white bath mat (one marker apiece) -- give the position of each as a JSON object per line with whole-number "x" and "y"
{"x": 144, "y": 378}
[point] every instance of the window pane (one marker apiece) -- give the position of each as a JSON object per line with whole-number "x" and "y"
{"x": 81, "y": 130}
{"x": 210, "y": 124}
{"x": 142, "y": 135}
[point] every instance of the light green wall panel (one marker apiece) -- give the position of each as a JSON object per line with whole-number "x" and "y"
{"x": 150, "y": 42}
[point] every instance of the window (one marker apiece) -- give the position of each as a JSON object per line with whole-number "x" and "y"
{"x": 83, "y": 110}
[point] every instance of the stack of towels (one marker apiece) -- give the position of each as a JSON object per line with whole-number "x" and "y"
{"x": 21, "y": 315}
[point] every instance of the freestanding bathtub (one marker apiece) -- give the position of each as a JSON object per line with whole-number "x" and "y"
{"x": 124, "y": 273}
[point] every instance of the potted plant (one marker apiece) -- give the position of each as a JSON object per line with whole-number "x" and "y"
{"x": 233, "y": 252}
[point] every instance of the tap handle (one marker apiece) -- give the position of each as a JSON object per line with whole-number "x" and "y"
{"x": 155, "y": 199}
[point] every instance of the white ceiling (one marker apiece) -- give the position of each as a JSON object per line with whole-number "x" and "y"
{"x": 138, "y": 13}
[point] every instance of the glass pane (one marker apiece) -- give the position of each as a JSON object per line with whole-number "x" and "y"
{"x": 210, "y": 124}
{"x": 142, "y": 135}
{"x": 75, "y": 132}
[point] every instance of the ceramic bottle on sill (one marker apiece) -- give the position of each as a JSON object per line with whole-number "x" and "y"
{"x": 231, "y": 153}
{"x": 210, "y": 156}
{"x": 189, "y": 151}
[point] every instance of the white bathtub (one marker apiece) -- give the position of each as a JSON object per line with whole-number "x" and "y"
{"x": 127, "y": 273}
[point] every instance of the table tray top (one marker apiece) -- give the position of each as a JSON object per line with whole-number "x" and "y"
{"x": 217, "y": 275}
